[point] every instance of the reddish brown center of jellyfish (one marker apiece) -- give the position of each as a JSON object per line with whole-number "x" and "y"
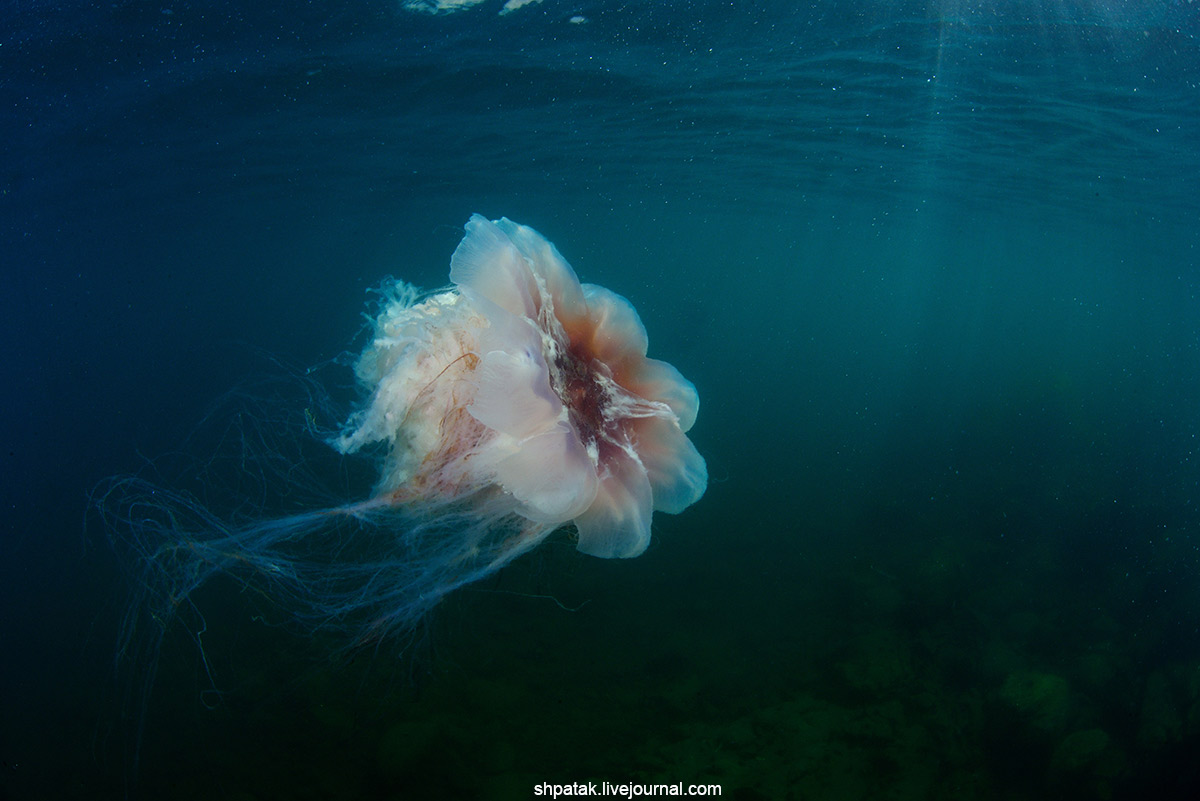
{"x": 585, "y": 395}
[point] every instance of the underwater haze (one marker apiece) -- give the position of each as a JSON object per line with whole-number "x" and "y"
{"x": 933, "y": 268}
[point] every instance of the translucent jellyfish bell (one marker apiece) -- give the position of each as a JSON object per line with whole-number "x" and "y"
{"x": 536, "y": 385}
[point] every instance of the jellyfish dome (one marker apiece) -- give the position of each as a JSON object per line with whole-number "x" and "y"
{"x": 515, "y": 403}
{"x": 527, "y": 383}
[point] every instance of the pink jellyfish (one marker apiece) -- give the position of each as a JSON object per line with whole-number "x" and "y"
{"x": 516, "y": 403}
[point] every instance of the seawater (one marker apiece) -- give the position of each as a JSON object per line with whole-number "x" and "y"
{"x": 932, "y": 267}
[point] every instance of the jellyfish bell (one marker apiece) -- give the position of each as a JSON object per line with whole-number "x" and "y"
{"x": 525, "y": 382}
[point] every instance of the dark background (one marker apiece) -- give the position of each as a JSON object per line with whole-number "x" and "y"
{"x": 933, "y": 270}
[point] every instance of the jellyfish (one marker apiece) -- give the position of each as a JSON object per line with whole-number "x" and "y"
{"x": 515, "y": 403}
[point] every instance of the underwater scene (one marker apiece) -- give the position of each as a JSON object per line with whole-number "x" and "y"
{"x": 523, "y": 399}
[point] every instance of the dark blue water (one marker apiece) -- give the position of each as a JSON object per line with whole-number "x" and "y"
{"x": 934, "y": 270}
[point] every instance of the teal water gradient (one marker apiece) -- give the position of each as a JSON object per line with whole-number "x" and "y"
{"x": 932, "y": 268}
